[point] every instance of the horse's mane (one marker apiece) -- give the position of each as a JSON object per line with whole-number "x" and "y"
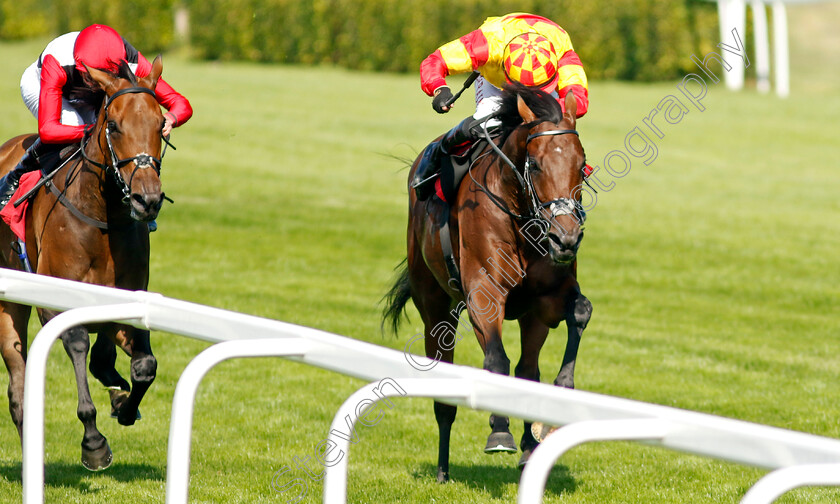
{"x": 542, "y": 104}
{"x": 87, "y": 90}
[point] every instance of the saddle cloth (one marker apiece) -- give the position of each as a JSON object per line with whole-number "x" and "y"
{"x": 16, "y": 217}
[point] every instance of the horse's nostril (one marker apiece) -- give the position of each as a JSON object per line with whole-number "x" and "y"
{"x": 566, "y": 241}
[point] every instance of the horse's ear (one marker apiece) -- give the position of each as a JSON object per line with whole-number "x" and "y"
{"x": 525, "y": 112}
{"x": 103, "y": 79}
{"x": 157, "y": 68}
{"x": 571, "y": 108}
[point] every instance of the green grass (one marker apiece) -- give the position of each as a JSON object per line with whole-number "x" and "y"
{"x": 713, "y": 273}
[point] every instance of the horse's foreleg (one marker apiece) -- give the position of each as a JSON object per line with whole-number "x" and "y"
{"x": 488, "y": 329}
{"x": 96, "y": 454}
{"x": 578, "y": 312}
{"x": 143, "y": 370}
{"x": 13, "y": 329}
{"x": 533, "y": 335}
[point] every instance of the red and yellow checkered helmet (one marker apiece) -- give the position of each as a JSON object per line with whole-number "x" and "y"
{"x": 530, "y": 59}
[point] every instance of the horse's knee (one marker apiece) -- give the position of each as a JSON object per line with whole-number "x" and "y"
{"x": 582, "y": 311}
{"x": 497, "y": 362}
{"x": 144, "y": 369}
{"x": 527, "y": 370}
{"x": 76, "y": 341}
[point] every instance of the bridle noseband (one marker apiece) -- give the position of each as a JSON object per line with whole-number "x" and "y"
{"x": 141, "y": 160}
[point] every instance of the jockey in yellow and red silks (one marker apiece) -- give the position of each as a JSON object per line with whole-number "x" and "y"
{"x": 484, "y": 50}
{"x": 519, "y": 47}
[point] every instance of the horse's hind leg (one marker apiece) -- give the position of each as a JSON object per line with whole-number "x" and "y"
{"x": 533, "y": 335}
{"x": 13, "y": 335}
{"x": 103, "y": 359}
{"x": 434, "y": 307}
{"x": 143, "y": 370}
{"x": 440, "y": 345}
{"x": 96, "y": 455}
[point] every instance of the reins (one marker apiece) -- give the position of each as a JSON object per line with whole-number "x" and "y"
{"x": 141, "y": 161}
{"x": 559, "y": 206}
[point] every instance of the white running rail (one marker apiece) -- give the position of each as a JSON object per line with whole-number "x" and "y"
{"x": 797, "y": 458}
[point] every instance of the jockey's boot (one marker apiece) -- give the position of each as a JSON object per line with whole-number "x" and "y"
{"x": 30, "y": 161}
{"x": 423, "y": 182}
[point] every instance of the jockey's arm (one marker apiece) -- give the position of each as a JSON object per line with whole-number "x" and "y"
{"x": 572, "y": 79}
{"x": 50, "y": 128}
{"x": 462, "y": 55}
{"x": 178, "y": 107}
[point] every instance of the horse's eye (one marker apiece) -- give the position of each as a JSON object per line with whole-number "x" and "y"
{"x": 112, "y": 127}
{"x": 532, "y": 164}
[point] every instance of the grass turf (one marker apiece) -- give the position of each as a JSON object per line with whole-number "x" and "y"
{"x": 713, "y": 273}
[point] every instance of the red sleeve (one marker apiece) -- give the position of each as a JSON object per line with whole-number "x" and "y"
{"x": 433, "y": 73}
{"x": 462, "y": 55}
{"x": 50, "y": 128}
{"x": 581, "y": 97}
{"x": 171, "y": 100}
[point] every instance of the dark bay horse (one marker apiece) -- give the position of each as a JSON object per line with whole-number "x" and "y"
{"x": 95, "y": 232}
{"x": 515, "y": 230}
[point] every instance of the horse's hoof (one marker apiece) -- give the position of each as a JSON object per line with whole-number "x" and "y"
{"x": 97, "y": 460}
{"x": 118, "y": 398}
{"x": 540, "y": 431}
{"x": 442, "y": 477}
{"x": 500, "y": 442}
{"x": 526, "y": 454}
{"x": 128, "y": 420}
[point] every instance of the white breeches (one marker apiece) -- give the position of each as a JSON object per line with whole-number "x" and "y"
{"x": 30, "y": 91}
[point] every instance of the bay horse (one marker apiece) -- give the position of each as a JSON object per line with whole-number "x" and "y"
{"x": 92, "y": 226}
{"x": 515, "y": 228}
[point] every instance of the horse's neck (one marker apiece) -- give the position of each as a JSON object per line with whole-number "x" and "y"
{"x": 88, "y": 188}
{"x": 500, "y": 177}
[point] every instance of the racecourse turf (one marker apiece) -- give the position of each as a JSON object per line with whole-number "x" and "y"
{"x": 713, "y": 272}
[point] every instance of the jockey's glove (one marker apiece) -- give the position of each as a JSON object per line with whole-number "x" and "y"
{"x": 441, "y": 99}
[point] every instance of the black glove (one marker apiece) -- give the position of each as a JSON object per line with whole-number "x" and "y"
{"x": 441, "y": 99}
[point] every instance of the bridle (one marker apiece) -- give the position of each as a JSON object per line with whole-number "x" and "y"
{"x": 140, "y": 161}
{"x": 541, "y": 212}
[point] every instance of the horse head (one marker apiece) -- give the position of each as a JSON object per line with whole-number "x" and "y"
{"x": 553, "y": 173}
{"x": 128, "y": 137}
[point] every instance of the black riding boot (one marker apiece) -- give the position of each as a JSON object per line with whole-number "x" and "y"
{"x": 30, "y": 161}
{"x": 429, "y": 166}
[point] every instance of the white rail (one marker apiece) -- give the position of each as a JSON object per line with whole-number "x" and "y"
{"x": 681, "y": 430}
{"x": 732, "y": 14}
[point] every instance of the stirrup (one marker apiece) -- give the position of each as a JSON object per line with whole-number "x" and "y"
{"x": 7, "y": 190}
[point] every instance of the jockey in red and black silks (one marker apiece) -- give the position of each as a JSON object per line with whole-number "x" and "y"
{"x": 55, "y": 91}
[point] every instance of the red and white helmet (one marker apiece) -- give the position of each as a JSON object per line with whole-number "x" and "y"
{"x": 531, "y": 59}
{"x": 99, "y": 46}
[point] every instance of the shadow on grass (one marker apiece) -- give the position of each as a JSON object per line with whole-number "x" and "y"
{"x": 61, "y": 474}
{"x": 495, "y": 480}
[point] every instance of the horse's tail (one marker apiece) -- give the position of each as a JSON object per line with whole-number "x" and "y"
{"x": 396, "y": 298}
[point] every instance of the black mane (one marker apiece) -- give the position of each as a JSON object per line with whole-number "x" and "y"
{"x": 124, "y": 72}
{"x": 84, "y": 89}
{"x": 542, "y": 104}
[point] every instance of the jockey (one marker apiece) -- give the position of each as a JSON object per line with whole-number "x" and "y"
{"x": 519, "y": 47}
{"x": 57, "y": 92}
